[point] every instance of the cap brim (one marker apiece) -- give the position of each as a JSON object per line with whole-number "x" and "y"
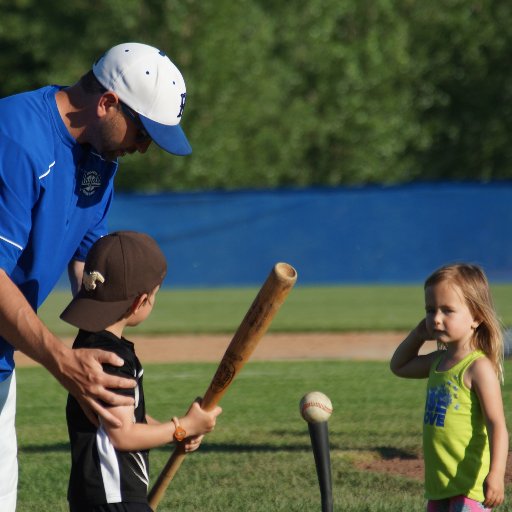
{"x": 93, "y": 315}
{"x": 170, "y": 138}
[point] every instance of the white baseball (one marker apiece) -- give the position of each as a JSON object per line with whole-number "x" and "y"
{"x": 315, "y": 407}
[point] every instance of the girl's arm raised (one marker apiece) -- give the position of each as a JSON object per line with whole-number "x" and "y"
{"x": 406, "y": 361}
{"x": 483, "y": 379}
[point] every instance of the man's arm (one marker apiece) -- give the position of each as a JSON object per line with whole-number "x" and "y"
{"x": 79, "y": 371}
{"x": 75, "y": 273}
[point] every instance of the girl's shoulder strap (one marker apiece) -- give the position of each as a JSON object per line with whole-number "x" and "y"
{"x": 435, "y": 362}
{"x": 469, "y": 360}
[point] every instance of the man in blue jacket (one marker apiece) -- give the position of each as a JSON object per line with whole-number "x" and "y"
{"x": 58, "y": 157}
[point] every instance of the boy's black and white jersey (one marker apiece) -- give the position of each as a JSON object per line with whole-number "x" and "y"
{"x": 101, "y": 474}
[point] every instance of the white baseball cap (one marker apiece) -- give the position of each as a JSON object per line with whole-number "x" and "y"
{"x": 147, "y": 81}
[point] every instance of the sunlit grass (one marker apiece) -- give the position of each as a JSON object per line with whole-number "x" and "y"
{"x": 259, "y": 457}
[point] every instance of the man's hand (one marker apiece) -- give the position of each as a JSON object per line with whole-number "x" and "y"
{"x": 80, "y": 371}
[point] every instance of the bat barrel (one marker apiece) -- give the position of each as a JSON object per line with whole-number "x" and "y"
{"x": 252, "y": 328}
{"x": 254, "y": 325}
{"x": 319, "y": 434}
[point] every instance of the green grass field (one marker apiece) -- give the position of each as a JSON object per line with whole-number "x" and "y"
{"x": 307, "y": 309}
{"x": 259, "y": 458}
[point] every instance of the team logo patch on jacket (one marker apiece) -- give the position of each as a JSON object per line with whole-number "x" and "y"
{"x": 91, "y": 180}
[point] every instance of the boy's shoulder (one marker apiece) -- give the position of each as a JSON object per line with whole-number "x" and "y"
{"x": 104, "y": 340}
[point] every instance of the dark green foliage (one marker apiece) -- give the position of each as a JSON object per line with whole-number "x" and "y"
{"x": 296, "y": 93}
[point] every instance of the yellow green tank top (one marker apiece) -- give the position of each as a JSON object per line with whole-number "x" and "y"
{"x": 455, "y": 441}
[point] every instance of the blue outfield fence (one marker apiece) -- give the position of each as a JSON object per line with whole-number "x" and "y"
{"x": 359, "y": 235}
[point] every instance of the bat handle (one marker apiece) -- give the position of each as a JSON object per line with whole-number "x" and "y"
{"x": 166, "y": 475}
{"x": 319, "y": 434}
{"x": 175, "y": 460}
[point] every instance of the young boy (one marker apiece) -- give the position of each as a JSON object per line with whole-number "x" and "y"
{"x": 109, "y": 466}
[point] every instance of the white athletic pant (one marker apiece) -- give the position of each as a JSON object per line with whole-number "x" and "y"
{"x": 8, "y": 445}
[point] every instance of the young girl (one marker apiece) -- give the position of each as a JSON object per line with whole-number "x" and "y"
{"x": 465, "y": 439}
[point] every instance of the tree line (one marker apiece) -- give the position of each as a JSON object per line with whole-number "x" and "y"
{"x": 292, "y": 93}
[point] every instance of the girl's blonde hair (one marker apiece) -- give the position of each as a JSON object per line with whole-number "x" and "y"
{"x": 472, "y": 282}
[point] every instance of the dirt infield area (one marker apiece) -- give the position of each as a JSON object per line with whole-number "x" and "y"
{"x": 300, "y": 346}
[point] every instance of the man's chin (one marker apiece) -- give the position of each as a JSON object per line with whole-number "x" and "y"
{"x": 112, "y": 156}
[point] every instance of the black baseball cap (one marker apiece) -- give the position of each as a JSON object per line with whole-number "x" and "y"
{"x": 119, "y": 268}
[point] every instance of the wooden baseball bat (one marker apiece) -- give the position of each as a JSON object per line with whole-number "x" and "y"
{"x": 252, "y": 328}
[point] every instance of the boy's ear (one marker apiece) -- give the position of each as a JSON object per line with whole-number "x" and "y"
{"x": 138, "y": 302}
